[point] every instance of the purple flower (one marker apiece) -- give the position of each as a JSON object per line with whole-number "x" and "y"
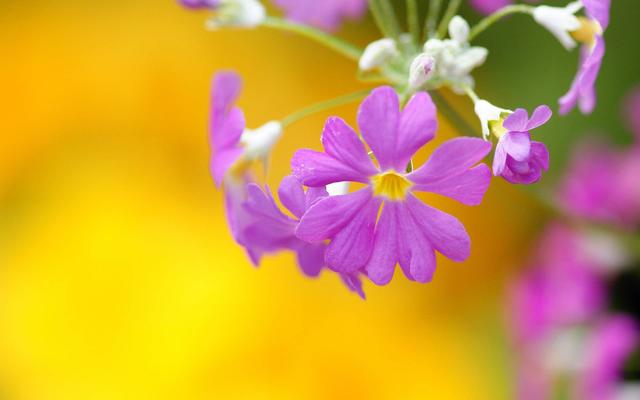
{"x": 269, "y": 230}
{"x": 226, "y": 124}
{"x": 491, "y": 6}
{"x": 518, "y": 159}
{"x": 408, "y": 231}
{"x": 196, "y": 4}
{"x": 612, "y": 342}
{"x": 582, "y": 90}
{"x": 325, "y": 14}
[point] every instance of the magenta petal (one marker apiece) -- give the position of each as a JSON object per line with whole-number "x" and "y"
{"x": 221, "y": 162}
{"x": 313, "y": 168}
{"x": 418, "y": 125}
{"x": 541, "y": 115}
{"x": 378, "y": 119}
{"x": 415, "y": 253}
{"x": 540, "y": 154}
{"x": 326, "y": 217}
{"x": 353, "y": 283}
{"x": 383, "y": 259}
{"x": 226, "y": 88}
{"x": 499, "y": 159}
{"x": 599, "y": 10}
{"x": 446, "y": 233}
{"x": 517, "y": 145}
{"x": 343, "y": 144}
{"x": 292, "y": 196}
{"x": 226, "y": 129}
{"x": 451, "y": 158}
{"x": 468, "y": 188}
{"x": 351, "y": 247}
{"x": 311, "y": 258}
{"x": 517, "y": 121}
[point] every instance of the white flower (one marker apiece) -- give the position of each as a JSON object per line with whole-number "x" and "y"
{"x": 421, "y": 70}
{"x": 489, "y": 115}
{"x": 378, "y": 53}
{"x": 237, "y": 13}
{"x": 455, "y": 58}
{"x": 560, "y": 21}
{"x": 258, "y": 142}
{"x": 459, "y": 29}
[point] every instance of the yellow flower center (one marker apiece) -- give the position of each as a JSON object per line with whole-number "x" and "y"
{"x": 391, "y": 185}
{"x": 496, "y": 127}
{"x": 587, "y": 32}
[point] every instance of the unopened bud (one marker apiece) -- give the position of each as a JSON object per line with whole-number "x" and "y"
{"x": 237, "y": 13}
{"x": 421, "y": 70}
{"x": 459, "y": 29}
{"x": 378, "y": 53}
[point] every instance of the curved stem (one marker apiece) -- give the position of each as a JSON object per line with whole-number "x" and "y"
{"x": 346, "y": 49}
{"x": 413, "y": 20}
{"x": 496, "y": 16}
{"x": 463, "y": 127}
{"x": 452, "y": 9}
{"x": 432, "y": 19}
{"x": 322, "y": 106}
{"x": 385, "y": 18}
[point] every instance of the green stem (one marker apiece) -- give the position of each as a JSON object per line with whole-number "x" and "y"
{"x": 452, "y": 115}
{"x": 346, "y": 49}
{"x": 496, "y": 16}
{"x": 322, "y": 106}
{"x": 413, "y": 20}
{"x": 452, "y": 9}
{"x": 432, "y": 19}
{"x": 385, "y": 18}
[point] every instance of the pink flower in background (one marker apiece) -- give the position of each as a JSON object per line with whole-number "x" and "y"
{"x": 582, "y": 91}
{"x": 408, "y": 231}
{"x": 325, "y": 14}
{"x": 196, "y": 4}
{"x": 632, "y": 110}
{"x": 518, "y": 159}
{"x": 270, "y": 230}
{"x": 610, "y": 345}
{"x": 565, "y": 288}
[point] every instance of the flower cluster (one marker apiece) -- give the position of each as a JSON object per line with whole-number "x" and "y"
{"x": 575, "y": 313}
{"x": 365, "y": 229}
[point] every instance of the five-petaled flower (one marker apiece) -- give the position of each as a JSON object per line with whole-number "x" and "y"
{"x": 407, "y": 231}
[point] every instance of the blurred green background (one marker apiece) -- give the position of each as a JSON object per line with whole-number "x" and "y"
{"x": 118, "y": 279}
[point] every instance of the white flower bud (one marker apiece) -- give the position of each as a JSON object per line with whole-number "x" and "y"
{"x": 237, "y": 13}
{"x": 560, "y": 21}
{"x": 421, "y": 70}
{"x": 489, "y": 115}
{"x": 459, "y": 29}
{"x": 469, "y": 59}
{"x": 258, "y": 142}
{"x": 338, "y": 188}
{"x": 378, "y": 53}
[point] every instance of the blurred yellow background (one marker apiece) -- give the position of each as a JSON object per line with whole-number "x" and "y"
{"x": 118, "y": 278}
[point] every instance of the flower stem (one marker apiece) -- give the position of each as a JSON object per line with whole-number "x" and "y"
{"x": 496, "y": 16}
{"x": 431, "y": 22}
{"x": 413, "y": 20}
{"x": 452, "y": 9}
{"x": 322, "y": 106}
{"x": 385, "y": 18}
{"x": 452, "y": 115}
{"x": 346, "y": 49}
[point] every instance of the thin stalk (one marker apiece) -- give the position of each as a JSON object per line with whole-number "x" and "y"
{"x": 413, "y": 20}
{"x": 496, "y": 16}
{"x": 452, "y": 115}
{"x": 431, "y": 22}
{"x": 346, "y": 49}
{"x": 452, "y": 9}
{"x": 322, "y": 106}
{"x": 385, "y": 18}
